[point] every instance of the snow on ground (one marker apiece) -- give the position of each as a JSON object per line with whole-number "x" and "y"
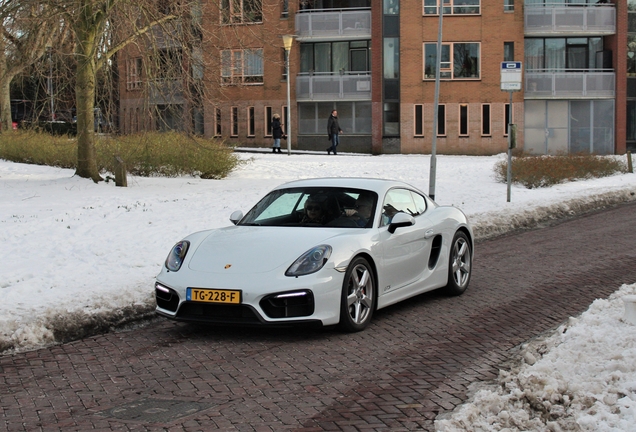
{"x": 81, "y": 257}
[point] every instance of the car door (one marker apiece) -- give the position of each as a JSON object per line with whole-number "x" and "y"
{"x": 405, "y": 252}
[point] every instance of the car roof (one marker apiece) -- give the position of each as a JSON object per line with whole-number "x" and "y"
{"x": 379, "y": 186}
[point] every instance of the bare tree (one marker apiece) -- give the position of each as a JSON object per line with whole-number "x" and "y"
{"x": 27, "y": 29}
{"x": 98, "y": 37}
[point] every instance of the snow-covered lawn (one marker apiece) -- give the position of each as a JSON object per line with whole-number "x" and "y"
{"x": 78, "y": 254}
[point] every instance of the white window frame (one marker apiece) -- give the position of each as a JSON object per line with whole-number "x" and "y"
{"x": 451, "y": 7}
{"x": 445, "y": 121}
{"x": 509, "y": 5}
{"x": 233, "y": 12}
{"x": 242, "y": 66}
{"x": 251, "y": 122}
{"x": 505, "y": 113}
{"x": 234, "y": 121}
{"x": 447, "y": 67}
{"x": 489, "y": 119}
{"x": 459, "y": 120}
{"x": 133, "y": 74}
{"x": 267, "y": 120}
{"x": 415, "y": 119}
{"x": 217, "y": 122}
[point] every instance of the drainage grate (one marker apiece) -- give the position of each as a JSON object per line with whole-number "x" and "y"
{"x": 155, "y": 410}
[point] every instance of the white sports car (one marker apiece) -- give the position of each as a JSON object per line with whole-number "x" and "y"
{"x": 319, "y": 251}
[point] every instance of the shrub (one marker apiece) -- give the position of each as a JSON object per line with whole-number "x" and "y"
{"x": 167, "y": 154}
{"x": 543, "y": 171}
{"x": 32, "y": 147}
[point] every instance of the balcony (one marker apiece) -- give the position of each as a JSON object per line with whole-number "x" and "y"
{"x": 327, "y": 24}
{"x": 570, "y": 84}
{"x": 551, "y": 19}
{"x": 328, "y": 86}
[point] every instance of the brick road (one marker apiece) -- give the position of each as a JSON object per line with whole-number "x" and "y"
{"x": 415, "y": 361}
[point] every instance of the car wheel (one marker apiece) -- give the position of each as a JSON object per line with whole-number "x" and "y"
{"x": 460, "y": 264}
{"x": 358, "y": 296}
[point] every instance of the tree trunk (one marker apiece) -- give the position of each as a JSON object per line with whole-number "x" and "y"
{"x": 5, "y": 96}
{"x": 85, "y": 103}
{"x": 5, "y": 105}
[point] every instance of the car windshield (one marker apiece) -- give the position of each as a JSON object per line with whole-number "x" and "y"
{"x": 314, "y": 207}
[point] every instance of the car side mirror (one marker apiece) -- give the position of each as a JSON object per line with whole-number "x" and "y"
{"x": 236, "y": 216}
{"x": 401, "y": 219}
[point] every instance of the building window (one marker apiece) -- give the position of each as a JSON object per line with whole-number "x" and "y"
{"x": 250, "y": 122}
{"x": 453, "y": 7}
{"x": 285, "y": 53}
{"x": 509, "y": 5}
{"x": 507, "y": 119}
{"x": 133, "y": 74}
{"x": 562, "y": 53}
{"x": 170, "y": 64}
{"x": 335, "y": 57}
{"x": 234, "y": 121}
{"x": 463, "y": 120}
{"x": 268, "y": 121}
{"x": 217, "y": 123}
{"x": 459, "y": 61}
{"x": 485, "y": 120}
{"x": 509, "y": 51}
{"x": 242, "y": 66}
{"x": 441, "y": 120}
{"x": 419, "y": 120}
{"x": 284, "y": 9}
{"x": 241, "y": 11}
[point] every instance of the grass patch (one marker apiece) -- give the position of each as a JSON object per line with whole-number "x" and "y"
{"x": 169, "y": 154}
{"x": 544, "y": 171}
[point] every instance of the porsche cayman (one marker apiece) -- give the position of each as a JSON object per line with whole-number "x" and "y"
{"x": 325, "y": 251}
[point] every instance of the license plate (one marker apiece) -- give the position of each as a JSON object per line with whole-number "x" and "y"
{"x": 213, "y": 296}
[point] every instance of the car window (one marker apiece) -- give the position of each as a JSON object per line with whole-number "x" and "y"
{"x": 280, "y": 206}
{"x": 420, "y": 202}
{"x": 313, "y": 206}
{"x": 401, "y": 200}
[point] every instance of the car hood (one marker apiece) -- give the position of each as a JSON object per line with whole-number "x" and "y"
{"x": 249, "y": 250}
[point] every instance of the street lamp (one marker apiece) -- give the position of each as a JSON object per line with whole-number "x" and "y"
{"x": 287, "y": 42}
{"x": 49, "y": 84}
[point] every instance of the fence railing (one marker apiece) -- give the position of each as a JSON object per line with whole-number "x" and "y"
{"x": 597, "y": 83}
{"x": 574, "y": 18}
{"x": 329, "y": 86}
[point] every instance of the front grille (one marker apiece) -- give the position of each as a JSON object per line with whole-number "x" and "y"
{"x": 217, "y": 313}
{"x": 167, "y": 300}
{"x": 288, "y": 305}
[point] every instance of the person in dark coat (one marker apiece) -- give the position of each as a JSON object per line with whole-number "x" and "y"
{"x": 277, "y": 133}
{"x": 333, "y": 131}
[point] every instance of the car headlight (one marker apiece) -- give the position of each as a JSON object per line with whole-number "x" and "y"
{"x": 176, "y": 256}
{"x": 310, "y": 262}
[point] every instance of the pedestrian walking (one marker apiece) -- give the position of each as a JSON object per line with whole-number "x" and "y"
{"x": 333, "y": 131}
{"x": 277, "y": 133}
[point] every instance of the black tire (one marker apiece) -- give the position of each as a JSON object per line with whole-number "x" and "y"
{"x": 358, "y": 296}
{"x": 460, "y": 263}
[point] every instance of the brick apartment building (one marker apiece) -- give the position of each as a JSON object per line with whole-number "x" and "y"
{"x": 375, "y": 62}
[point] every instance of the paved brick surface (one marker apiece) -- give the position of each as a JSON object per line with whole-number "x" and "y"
{"x": 415, "y": 361}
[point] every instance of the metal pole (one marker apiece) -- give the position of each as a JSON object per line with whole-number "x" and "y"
{"x": 509, "y": 146}
{"x": 50, "y": 84}
{"x": 288, "y": 125}
{"x": 433, "y": 170}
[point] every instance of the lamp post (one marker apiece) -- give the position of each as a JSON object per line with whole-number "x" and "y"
{"x": 49, "y": 84}
{"x": 287, "y": 42}
{"x": 433, "y": 169}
